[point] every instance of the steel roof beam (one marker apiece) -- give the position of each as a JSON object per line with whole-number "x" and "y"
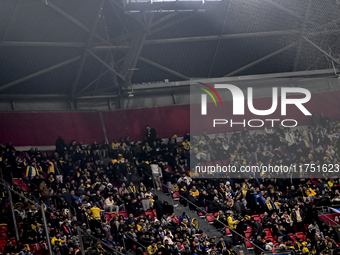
{"x": 82, "y": 62}
{"x": 42, "y": 44}
{"x": 322, "y": 50}
{"x": 261, "y": 59}
{"x": 219, "y": 37}
{"x": 168, "y": 70}
{"x": 11, "y": 21}
{"x": 303, "y": 28}
{"x": 222, "y": 37}
{"x": 92, "y": 82}
{"x": 132, "y": 56}
{"x": 36, "y": 74}
{"x": 274, "y": 53}
{"x": 292, "y": 13}
{"x": 163, "y": 19}
{"x": 73, "y": 20}
{"x": 233, "y": 78}
{"x": 106, "y": 65}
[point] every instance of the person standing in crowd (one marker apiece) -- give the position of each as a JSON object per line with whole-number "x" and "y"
{"x": 102, "y": 196}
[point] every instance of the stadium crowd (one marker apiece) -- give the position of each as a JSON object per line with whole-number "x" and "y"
{"x": 107, "y": 192}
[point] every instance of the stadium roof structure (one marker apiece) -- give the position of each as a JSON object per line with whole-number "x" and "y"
{"x": 78, "y": 48}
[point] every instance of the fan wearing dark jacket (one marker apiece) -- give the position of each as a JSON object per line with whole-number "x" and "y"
{"x": 157, "y": 204}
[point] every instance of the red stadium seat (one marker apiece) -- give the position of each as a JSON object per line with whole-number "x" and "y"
{"x": 270, "y": 238}
{"x": 154, "y": 212}
{"x": 24, "y": 187}
{"x": 149, "y": 213}
{"x": 3, "y": 242}
{"x": 14, "y": 241}
{"x": 17, "y": 181}
{"x": 34, "y": 247}
{"x": 210, "y": 163}
{"x": 292, "y": 236}
{"x": 200, "y": 214}
{"x": 175, "y": 196}
{"x": 43, "y": 246}
{"x": 261, "y": 216}
{"x": 2, "y": 247}
{"x": 215, "y": 214}
{"x": 225, "y": 162}
{"x": 268, "y": 232}
{"x": 256, "y": 217}
{"x": 3, "y": 228}
{"x": 124, "y": 213}
{"x": 228, "y": 232}
{"x": 3, "y": 236}
{"x": 169, "y": 168}
{"x": 176, "y": 219}
{"x": 218, "y": 162}
{"x": 210, "y": 219}
{"x": 202, "y": 164}
{"x": 250, "y": 246}
{"x": 301, "y": 236}
{"x": 107, "y": 216}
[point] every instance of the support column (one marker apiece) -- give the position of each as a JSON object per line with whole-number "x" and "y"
{"x": 13, "y": 215}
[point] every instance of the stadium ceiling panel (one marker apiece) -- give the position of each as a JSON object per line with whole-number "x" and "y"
{"x": 107, "y": 47}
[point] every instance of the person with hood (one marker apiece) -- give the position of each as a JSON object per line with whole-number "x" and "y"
{"x": 183, "y": 216}
{"x": 194, "y": 226}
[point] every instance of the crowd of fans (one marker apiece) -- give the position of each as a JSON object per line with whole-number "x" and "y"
{"x": 94, "y": 189}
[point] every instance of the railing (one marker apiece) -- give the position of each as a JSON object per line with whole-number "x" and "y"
{"x": 337, "y": 224}
{"x": 287, "y": 252}
{"x": 48, "y": 240}
{"x": 205, "y": 212}
{"x": 81, "y": 232}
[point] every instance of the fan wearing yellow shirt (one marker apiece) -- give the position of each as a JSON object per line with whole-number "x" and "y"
{"x": 151, "y": 249}
{"x": 95, "y": 212}
{"x": 186, "y": 144}
{"x": 120, "y": 159}
{"x": 115, "y": 145}
{"x": 232, "y": 223}
{"x": 194, "y": 191}
{"x": 57, "y": 239}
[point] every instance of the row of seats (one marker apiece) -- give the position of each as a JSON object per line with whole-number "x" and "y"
{"x": 20, "y": 183}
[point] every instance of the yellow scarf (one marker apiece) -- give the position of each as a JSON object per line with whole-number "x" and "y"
{"x": 133, "y": 189}
{"x": 269, "y": 205}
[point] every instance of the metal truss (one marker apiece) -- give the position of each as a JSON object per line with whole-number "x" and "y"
{"x": 132, "y": 42}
